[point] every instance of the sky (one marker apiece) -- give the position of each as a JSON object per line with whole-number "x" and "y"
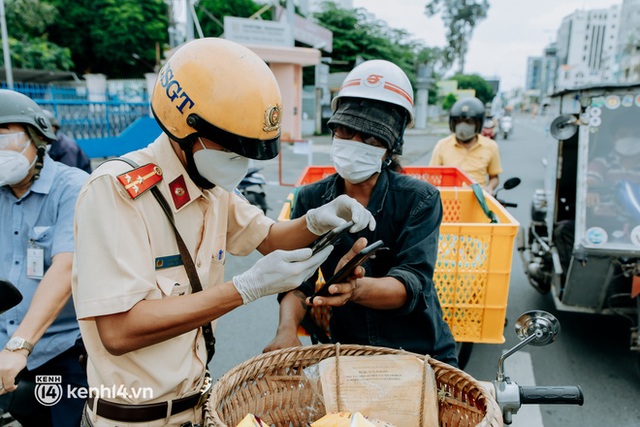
{"x": 512, "y": 31}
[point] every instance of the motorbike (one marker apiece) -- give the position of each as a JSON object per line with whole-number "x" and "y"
{"x": 537, "y": 328}
{"x": 582, "y": 246}
{"x": 489, "y": 127}
{"x": 506, "y": 126}
{"x": 252, "y": 188}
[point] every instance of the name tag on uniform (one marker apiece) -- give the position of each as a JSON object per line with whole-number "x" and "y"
{"x": 35, "y": 262}
{"x": 168, "y": 261}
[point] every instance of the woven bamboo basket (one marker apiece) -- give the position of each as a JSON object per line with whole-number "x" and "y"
{"x": 271, "y": 386}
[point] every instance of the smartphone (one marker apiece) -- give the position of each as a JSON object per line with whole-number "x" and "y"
{"x": 347, "y": 270}
{"x": 331, "y": 237}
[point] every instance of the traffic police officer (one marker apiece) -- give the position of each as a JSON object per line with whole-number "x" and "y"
{"x": 141, "y": 316}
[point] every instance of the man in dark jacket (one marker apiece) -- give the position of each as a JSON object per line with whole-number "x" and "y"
{"x": 395, "y": 303}
{"x": 66, "y": 149}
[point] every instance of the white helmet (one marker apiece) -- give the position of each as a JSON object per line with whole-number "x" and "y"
{"x": 380, "y": 80}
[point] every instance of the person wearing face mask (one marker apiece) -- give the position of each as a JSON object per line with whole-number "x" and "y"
{"x": 466, "y": 148}
{"x": 65, "y": 149}
{"x": 393, "y": 302}
{"x": 39, "y": 336}
{"x": 153, "y": 230}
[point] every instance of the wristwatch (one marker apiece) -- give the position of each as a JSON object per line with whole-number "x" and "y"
{"x": 17, "y": 343}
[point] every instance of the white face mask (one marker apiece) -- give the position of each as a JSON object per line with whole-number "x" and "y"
{"x": 222, "y": 168}
{"x": 356, "y": 161}
{"x": 465, "y": 131}
{"x": 14, "y": 166}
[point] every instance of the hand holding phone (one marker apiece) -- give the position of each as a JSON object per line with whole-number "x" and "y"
{"x": 331, "y": 237}
{"x": 347, "y": 270}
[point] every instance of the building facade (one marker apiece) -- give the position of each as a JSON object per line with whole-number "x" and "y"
{"x": 587, "y": 46}
{"x": 629, "y": 42}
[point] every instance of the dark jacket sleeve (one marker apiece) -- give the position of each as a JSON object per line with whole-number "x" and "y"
{"x": 418, "y": 250}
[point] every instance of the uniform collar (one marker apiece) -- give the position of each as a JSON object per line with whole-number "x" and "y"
{"x": 172, "y": 170}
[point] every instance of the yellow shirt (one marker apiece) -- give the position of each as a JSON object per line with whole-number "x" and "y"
{"x": 480, "y": 162}
{"x": 119, "y": 242}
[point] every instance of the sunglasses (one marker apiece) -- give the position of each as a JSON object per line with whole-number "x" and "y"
{"x": 345, "y": 132}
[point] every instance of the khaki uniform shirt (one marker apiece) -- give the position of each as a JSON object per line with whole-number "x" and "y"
{"x": 480, "y": 162}
{"x": 126, "y": 252}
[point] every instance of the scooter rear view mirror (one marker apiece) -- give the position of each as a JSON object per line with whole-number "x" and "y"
{"x": 545, "y": 326}
{"x": 511, "y": 183}
{"x": 564, "y": 127}
{"x": 535, "y": 327}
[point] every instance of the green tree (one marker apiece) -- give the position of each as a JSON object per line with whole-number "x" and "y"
{"x": 358, "y": 35}
{"x": 448, "y": 101}
{"x": 211, "y": 13}
{"x": 29, "y": 46}
{"x": 119, "y": 38}
{"x": 484, "y": 91}
{"x": 460, "y": 18}
{"x": 437, "y": 59}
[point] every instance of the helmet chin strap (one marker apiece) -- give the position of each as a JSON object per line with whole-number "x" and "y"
{"x": 396, "y": 148}
{"x": 192, "y": 170}
{"x": 41, "y": 146}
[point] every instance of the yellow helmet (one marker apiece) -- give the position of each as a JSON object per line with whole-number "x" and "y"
{"x": 222, "y": 91}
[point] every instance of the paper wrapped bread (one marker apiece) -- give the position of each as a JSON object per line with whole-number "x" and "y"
{"x": 347, "y": 419}
{"x": 251, "y": 421}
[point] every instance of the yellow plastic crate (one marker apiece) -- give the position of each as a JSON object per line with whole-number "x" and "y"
{"x": 285, "y": 211}
{"x": 440, "y": 176}
{"x": 473, "y": 267}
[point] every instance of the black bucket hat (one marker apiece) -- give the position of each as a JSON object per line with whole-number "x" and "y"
{"x": 381, "y": 119}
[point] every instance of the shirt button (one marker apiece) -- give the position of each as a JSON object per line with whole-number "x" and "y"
{"x": 11, "y": 322}
{"x": 15, "y": 232}
{"x": 199, "y": 263}
{"x": 17, "y": 262}
{"x": 19, "y": 203}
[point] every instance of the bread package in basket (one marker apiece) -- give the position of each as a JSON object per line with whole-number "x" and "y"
{"x": 251, "y": 421}
{"x": 399, "y": 389}
{"x": 347, "y": 419}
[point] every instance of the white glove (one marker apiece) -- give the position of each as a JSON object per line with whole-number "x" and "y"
{"x": 279, "y": 271}
{"x": 338, "y": 211}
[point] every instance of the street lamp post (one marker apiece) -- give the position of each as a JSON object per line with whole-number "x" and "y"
{"x": 423, "y": 82}
{"x": 5, "y": 47}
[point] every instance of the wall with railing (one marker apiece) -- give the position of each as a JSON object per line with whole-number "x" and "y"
{"x": 97, "y": 112}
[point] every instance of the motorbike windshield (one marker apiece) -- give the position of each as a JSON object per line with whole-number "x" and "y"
{"x": 612, "y": 199}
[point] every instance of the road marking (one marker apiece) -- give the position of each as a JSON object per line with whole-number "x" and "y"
{"x": 520, "y": 369}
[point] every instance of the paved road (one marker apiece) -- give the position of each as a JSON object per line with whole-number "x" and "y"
{"x": 591, "y": 350}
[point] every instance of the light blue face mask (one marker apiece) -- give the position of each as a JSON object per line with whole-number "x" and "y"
{"x": 14, "y": 166}
{"x": 222, "y": 168}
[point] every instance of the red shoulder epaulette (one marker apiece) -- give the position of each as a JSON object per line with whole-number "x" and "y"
{"x": 141, "y": 179}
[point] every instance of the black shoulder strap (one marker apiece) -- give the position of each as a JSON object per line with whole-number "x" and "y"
{"x": 189, "y": 266}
